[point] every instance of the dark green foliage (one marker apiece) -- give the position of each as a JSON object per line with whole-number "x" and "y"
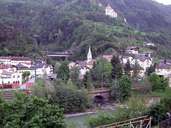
{"x": 87, "y": 81}
{"x": 28, "y": 111}
{"x": 136, "y": 70}
{"x": 25, "y": 76}
{"x": 70, "y": 100}
{"x": 158, "y": 83}
{"x": 74, "y": 75}
{"x": 101, "y": 73}
{"x": 158, "y": 112}
{"x": 58, "y": 25}
{"x": 127, "y": 68}
{"x": 117, "y": 70}
{"x": 63, "y": 72}
{"x": 121, "y": 89}
{"x": 151, "y": 69}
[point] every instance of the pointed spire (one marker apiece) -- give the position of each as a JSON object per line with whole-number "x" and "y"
{"x": 89, "y": 55}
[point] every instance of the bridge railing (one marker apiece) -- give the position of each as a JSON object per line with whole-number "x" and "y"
{"x": 140, "y": 122}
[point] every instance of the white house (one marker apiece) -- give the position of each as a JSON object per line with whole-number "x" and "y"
{"x": 132, "y": 50}
{"x": 143, "y": 60}
{"x": 163, "y": 68}
{"x": 13, "y": 60}
{"x": 11, "y": 78}
{"x": 40, "y": 69}
{"x": 109, "y": 11}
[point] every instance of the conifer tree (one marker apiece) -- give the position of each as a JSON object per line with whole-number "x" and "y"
{"x": 116, "y": 68}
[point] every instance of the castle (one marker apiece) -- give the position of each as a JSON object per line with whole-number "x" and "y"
{"x": 109, "y": 11}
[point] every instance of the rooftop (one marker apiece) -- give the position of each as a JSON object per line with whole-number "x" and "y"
{"x": 16, "y": 58}
{"x": 164, "y": 64}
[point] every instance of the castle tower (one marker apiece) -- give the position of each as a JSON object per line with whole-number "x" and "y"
{"x": 89, "y": 55}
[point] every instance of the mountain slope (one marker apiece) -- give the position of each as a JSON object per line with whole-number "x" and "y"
{"x": 145, "y": 15}
{"x": 30, "y": 25}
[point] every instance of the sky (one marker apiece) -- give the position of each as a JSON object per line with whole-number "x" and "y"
{"x": 167, "y": 2}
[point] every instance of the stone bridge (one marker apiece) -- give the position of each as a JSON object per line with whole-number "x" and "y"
{"x": 100, "y": 95}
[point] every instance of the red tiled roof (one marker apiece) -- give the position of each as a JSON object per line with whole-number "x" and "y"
{"x": 4, "y": 66}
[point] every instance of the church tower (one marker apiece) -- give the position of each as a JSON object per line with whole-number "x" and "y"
{"x": 89, "y": 55}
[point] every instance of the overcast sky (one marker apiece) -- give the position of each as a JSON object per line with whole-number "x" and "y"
{"x": 164, "y": 1}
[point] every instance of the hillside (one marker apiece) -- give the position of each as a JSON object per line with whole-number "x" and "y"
{"x": 27, "y": 26}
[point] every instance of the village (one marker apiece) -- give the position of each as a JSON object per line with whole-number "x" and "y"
{"x": 21, "y": 72}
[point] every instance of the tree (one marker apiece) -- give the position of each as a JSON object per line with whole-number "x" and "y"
{"x": 74, "y": 75}
{"x": 136, "y": 70}
{"x": 127, "y": 68}
{"x": 87, "y": 82}
{"x": 121, "y": 89}
{"x": 101, "y": 72}
{"x": 30, "y": 111}
{"x": 158, "y": 83}
{"x": 25, "y": 76}
{"x": 151, "y": 69}
{"x": 56, "y": 67}
{"x": 117, "y": 71}
{"x": 70, "y": 100}
{"x": 64, "y": 72}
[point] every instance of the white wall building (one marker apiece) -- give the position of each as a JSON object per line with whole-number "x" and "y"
{"x": 11, "y": 78}
{"x": 12, "y": 60}
{"x": 109, "y": 11}
{"x": 143, "y": 60}
{"x": 164, "y": 68}
{"x": 132, "y": 50}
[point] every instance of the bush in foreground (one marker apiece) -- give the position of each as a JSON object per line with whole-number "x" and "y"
{"x": 30, "y": 112}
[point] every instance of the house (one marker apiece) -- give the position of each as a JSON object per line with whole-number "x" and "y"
{"x": 149, "y": 44}
{"x": 7, "y": 68}
{"x": 163, "y": 68}
{"x": 132, "y": 50}
{"x": 40, "y": 68}
{"x": 144, "y": 60}
{"x": 13, "y": 60}
{"x": 107, "y": 57}
{"x": 10, "y": 78}
{"x": 109, "y": 11}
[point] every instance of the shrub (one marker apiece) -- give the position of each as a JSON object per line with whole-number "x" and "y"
{"x": 121, "y": 89}
{"x": 135, "y": 107}
{"x": 69, "y": 99}
{"x": 158, "y": 83}
{"x": 29, "y": 111}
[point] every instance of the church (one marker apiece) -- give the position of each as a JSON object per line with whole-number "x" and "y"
{"x": 84, "y": 66}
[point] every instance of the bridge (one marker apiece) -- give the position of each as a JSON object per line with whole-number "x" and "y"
{"x": 140, "y": 122}
{"x": 64, "y": 54}
{"x": 100, "y": 95}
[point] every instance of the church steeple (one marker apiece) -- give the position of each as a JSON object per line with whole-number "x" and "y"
{"x": 89, "y": 55}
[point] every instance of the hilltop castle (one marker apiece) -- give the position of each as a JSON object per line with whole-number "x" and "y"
{"x": 109, "y": 11}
